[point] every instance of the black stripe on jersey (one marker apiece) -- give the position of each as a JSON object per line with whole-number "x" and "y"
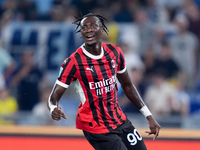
{"x": 108, "y": 58}
{"x": 71, "y": 73}
{"x": 106, "y": 123}
{"x": 114, "y": 51}
{"x": 122, "y": 62}
{"x": 90, "y": 97}
{"x": 116, "y": 54}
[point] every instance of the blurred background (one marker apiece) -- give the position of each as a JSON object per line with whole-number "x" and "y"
{"x": 160, "y": 40}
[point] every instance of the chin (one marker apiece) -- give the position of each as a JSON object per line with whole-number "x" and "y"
{"x": 91, "y": 43}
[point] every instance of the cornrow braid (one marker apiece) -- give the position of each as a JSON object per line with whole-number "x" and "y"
{"x": 101, "y": 18}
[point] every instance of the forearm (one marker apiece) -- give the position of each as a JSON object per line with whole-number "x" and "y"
{"x": 52, "y": 103}
{"x": 55, "y": 96}
{"x": 53, "y": 100}
{"x": 133, "y": 95}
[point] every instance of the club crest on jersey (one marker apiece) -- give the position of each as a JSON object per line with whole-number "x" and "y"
{"x": 113, "y": 64}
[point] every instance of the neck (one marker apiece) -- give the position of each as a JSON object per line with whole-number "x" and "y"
{"x": 94, "y": 49}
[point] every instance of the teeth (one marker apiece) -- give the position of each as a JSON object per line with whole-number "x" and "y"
{"x": 90, "y": 36}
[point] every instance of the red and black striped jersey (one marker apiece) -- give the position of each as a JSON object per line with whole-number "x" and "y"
{"x": 94, "y": 78}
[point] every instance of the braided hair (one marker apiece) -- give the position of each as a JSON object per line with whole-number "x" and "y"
{"x": 101, "y": 18}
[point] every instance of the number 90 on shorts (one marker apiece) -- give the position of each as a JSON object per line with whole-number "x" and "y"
{"x": 134, "y": 137}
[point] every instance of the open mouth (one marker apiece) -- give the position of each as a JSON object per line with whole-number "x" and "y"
{"x": 90, "y": 37}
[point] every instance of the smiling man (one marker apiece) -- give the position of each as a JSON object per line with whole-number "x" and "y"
{"x": 94, "y": 69}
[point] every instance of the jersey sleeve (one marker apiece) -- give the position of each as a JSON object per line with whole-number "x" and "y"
{"x": 67, "y": 73}
{"x": 121, "y": 62}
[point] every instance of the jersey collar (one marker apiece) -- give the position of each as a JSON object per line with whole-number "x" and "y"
{"x": 91, "y": 55}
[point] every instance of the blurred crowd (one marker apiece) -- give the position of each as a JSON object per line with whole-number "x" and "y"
{"x": 161, "y": 48}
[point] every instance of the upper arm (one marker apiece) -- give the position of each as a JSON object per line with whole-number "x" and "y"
{"x": 66, "y": 76}
{"x": 124, "y": 79}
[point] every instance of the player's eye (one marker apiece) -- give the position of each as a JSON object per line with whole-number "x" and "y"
{"x": 83, "y": 28}
{"x": 94, "y": 26}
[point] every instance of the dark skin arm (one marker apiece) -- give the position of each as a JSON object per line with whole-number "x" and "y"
{"x": 54, "y": 98}
{"x": 134, "y": 97}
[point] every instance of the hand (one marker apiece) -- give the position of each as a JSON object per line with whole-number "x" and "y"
{"x": 57, "y": 114}
{"x": 153, "y": 126}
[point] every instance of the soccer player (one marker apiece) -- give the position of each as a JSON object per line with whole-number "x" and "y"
{"x": 94, "y": 69}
